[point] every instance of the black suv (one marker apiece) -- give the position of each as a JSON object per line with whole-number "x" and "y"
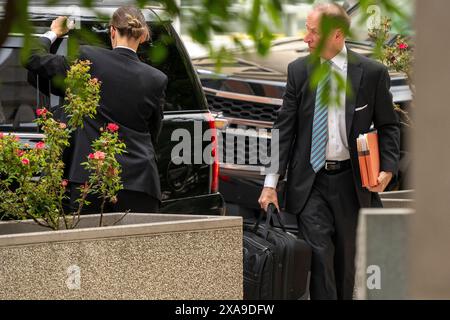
{"x": 186, "y": 188}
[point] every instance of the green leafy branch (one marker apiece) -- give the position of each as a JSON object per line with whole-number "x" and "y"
{"x": 31, "y": 178}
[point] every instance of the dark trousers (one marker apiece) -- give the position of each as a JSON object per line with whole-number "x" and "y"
{"x": 328, "y": 223}
{"x": 133, "y": 201}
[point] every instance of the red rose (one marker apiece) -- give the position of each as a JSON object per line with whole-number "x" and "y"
{"x": 91, "y": 156}
{"x": 402, "y": 46}
{"x": 20, "y": 153}
{"x": 40, "y": 145}
{"x": 1, "y": 135}
{"x": 64, "y": 183}
{"x": 25, "y": 161}
{"x": 112, "y": 127}
{"x": 41, "y": 112}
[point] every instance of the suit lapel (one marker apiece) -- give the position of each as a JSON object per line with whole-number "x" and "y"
{"x": 354, "y": 75}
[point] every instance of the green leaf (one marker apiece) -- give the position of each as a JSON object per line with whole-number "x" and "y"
{"x": 199, "y": 33}
{"x": 254, "y": 24}
{"x": 171, "y": 6}
{"x": 274, "y": 9}
{"x": 87, "y": 3}
{"x": 158, "y": 53}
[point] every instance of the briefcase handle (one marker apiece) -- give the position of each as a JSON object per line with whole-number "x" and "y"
{"x": 272, "y": 211}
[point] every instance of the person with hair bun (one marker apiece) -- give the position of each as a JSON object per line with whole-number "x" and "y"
{"x": 130, "y": 22}
{"x": 132, "y": 96}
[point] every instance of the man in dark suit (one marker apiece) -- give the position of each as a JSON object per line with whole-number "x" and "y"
{"x": 317, "y": 144}
{"x": 132, "y": 96}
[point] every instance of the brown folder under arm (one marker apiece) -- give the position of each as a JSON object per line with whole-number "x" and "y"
{"x": 369, "y": 158}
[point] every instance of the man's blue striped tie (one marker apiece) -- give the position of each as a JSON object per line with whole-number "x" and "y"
{"x": 320, "y": 123}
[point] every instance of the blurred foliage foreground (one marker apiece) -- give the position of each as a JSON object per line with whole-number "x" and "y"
{"x": 211, "y": 17}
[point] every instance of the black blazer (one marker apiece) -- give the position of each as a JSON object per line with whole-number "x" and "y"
{"x": 132, "y": 95}
{"x": 370, "y": 83}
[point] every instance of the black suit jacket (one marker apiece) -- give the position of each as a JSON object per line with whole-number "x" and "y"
{"x": 370, "y": 83}
{"x": 132, "y": 95}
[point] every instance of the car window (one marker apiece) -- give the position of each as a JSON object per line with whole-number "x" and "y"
{"x": 19, "y": 97}
{"x": 184, "y": 92}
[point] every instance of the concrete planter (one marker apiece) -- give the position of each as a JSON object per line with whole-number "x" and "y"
{"x": 144, "y": 256}
{"x": 398, "y": 199}
{"x": 402, "y": 194}
{"x": 398, "y": 203}
{"x": 382, "y": 253}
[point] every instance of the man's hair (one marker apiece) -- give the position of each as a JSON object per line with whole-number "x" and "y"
{"x": 130, "y": 22}
{"x": 335, "y": 13}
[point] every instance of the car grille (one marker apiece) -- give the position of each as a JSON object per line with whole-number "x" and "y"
{"x": 237, "y": 147}
{"x": 242, "y": 109}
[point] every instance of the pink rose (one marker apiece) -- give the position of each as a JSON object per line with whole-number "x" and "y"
{"x": 20, "y": 153}
{"x": 40, "y": 145}
{"x": 64, "y": 183}
{"x": 1, "y": 135}
{"x": 402, "y": 46}
{"x": 41, "y": 112}
{"x": 112, "y": 127}
{"x": 25, "y": 161}
{"x": 62, "y": 125}
{"x": 98, "y": 155}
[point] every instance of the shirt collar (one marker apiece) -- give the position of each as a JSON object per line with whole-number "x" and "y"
{"x": 340, "y": 60}
{"x": 125, "y": 48}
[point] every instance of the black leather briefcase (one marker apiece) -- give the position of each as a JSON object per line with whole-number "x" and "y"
{"x": 276, "y": 262}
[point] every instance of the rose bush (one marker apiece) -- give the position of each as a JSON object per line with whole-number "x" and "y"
{"x": 32, "y": 185}
{"x": 397, "y": 57}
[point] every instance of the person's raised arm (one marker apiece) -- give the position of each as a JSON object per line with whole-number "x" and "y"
{"x": 41, "y": 61}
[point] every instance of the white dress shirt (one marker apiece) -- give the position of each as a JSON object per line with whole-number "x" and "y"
{"x": 126, "y": 48}
{"x": 337, "y": 145}
{"x": 51, "y": 36}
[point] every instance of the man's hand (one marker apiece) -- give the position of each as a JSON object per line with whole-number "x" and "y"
{"x": 59, "y": 26}
{"x": 268, "y": 195}
{"x": 383, "y": 180}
